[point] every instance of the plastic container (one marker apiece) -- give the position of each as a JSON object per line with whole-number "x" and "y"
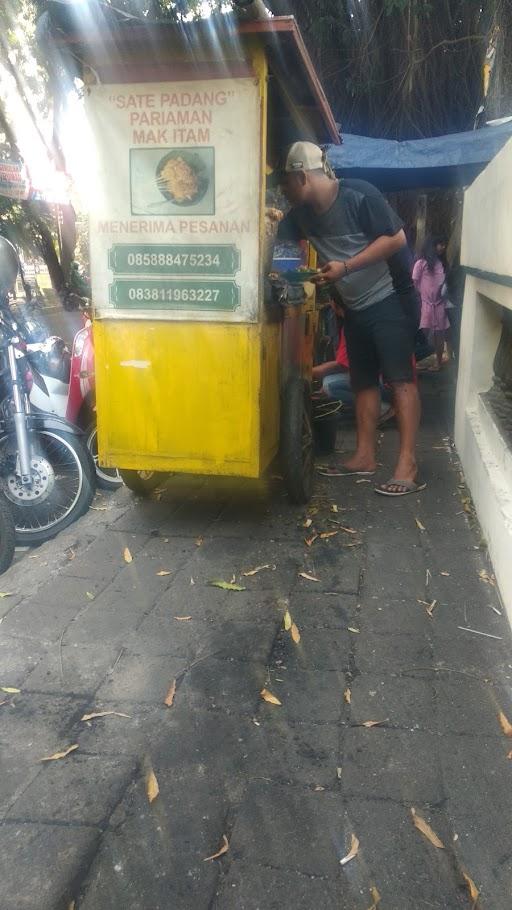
{"x": 286, "y": 265}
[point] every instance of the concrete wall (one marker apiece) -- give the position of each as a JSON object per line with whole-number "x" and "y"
{"x": 487, "y": 221}
{"x": 486, "y": 459}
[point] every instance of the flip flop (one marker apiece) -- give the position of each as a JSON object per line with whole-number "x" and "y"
{"x": 343, "y": 472}
{"x": 408, "y": 485}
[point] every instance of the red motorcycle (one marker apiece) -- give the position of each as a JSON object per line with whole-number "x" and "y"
{"x": 64, "y": 384}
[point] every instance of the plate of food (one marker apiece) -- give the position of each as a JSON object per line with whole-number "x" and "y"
{"x": 297, "y": 276}
{"x": 182, "y": 177}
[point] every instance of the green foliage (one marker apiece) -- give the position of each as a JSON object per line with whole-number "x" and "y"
{"x": 407, "y": 68}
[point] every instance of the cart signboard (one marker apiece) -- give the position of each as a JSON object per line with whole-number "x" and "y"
{"x": 175, "y": 200}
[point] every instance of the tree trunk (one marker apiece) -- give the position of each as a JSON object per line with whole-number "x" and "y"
{"x": 67, "y": 233}
{"x": 48, "y": 251}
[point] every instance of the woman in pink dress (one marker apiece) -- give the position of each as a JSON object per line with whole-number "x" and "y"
{"x": 429, "y": 277}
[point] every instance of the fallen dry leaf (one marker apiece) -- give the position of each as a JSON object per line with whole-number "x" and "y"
{"x": 226, "y": 585}
{"x": 199, "y": 541}
{"x": 287, "y": 621}
{"x": 373, "y": 723}
{"x": 489, "y": 579}
{"x": 152, "y": 788}
{"x": 420, "y": 525}
{"x": 224, "y": 849}
{"x": 89, "y": 595}
{"x": 326, "y": 534}
{"x": 5, "y": 594}
{"x": 169, "y": 698}
{"x": 426, "y": 830}
{"x": 334, "y": 508}
{"x": 339, "y": 772}
{"x": 183, "y": 618}
{"x": 10, "y": 690}
{"x": 505, "y": 724}
{"x": 308, "y": 577}
{"x": 354, "y": 850}
{"x": 103, "y": 714}
{"x": 4, "y": 702}
{"x": 355, "y": 631}
{"x": 127, "y": 556}
{"x": 258, "y": 569}
{"x": 267, "y": 696}
{"x": 347, "y": 695}
{"x": 508, "y": 756}
{"x": 307, "y": 523}
{"x": 57, "y": 755}
{"x": 295, "y": 633}
{"x": 309, "y": 541}
{"x": 319, "y": 789}
{"x": 163, "y": 572}
{"x": 474, "y": 893}
{"x": 431, "y": 607}
{"x": 348, "y": 530}
{"x": 446, "y": 574}
{"x": 375, "y": 896}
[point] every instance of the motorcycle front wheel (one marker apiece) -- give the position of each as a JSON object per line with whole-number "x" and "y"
{"x": 62, "y": 487}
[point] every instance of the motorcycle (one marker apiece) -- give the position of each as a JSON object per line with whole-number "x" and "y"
{"x": 46, "y": 472}
{"x": 64, "y": 384}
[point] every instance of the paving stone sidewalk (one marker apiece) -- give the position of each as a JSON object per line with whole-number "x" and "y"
{"x": 84, "y": 631}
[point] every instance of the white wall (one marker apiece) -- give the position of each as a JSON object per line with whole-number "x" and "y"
{"x": 487, "y": 221}
{"x": 485, "y": 457}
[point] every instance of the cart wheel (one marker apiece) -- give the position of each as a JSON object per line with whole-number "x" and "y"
{"x": 143, "y": 482}
{"x": 297, "y": 458}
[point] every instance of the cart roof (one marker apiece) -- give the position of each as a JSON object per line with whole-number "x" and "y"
{"x": 108, "y": 45}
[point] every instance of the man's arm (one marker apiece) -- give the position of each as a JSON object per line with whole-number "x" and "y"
{"x": 324, "y": 369}
{"x": 379, "y": 250}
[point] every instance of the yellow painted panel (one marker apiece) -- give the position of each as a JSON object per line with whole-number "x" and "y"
{"x": 179, "y": 396}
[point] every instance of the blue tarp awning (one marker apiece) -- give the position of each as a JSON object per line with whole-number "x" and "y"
{"x": 442, "y": 161}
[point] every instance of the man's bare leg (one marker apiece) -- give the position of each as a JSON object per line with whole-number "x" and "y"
{"x": 367, "y": 415}
{"x": 408, "y": 410}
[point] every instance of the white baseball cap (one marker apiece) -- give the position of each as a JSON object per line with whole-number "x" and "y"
{"x": 306, "y": 156}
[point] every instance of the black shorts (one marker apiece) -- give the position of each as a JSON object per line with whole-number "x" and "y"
{"x": 380, "y": 343}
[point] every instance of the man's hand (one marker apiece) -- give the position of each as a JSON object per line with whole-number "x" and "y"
{"x": 331, "y": 271}
{"x": 380, "y": 250}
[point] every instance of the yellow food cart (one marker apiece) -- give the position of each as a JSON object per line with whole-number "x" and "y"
{"x": 203, "y": 366}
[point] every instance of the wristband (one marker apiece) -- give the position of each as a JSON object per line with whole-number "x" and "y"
{"x": 347, "y": 270}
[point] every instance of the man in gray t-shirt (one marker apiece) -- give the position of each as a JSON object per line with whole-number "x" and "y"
{"x": 362, "y": 251}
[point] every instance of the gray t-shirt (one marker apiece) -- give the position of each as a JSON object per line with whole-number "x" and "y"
{"x": 358, "y": 215}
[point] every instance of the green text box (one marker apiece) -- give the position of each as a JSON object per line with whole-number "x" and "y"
{"x": 154, "y": 294}
{"x": 174, "y": 259}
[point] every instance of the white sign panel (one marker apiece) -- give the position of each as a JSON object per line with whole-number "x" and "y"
{"x": 174, "y": 199}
